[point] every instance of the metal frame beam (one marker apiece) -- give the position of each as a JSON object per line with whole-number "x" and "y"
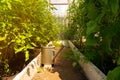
{"x": 68, "y": 2}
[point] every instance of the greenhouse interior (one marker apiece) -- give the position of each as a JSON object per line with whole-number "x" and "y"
{"x": 59, "y": 39}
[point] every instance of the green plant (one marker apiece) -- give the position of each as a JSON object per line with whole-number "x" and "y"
{"x": 39, "y": 70}
{"x": 57, "y": 43}
{"x": 6, "y": 67}
{"x": 99, "y": 22}
{"x": 24, "y": 25}
{"x": 72, "y": 55}
{"x": 115, "y": 73}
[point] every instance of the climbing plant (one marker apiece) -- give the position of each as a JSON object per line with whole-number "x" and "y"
{"x": 98, "y": 23}
{"x": 24, "y": 25}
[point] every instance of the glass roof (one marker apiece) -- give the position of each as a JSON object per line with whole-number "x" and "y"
{"x": 61, "y": 6}
{"x": 59, "y": 1}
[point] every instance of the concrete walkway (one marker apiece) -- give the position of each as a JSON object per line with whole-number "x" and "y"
{"x": 63, "y": 70}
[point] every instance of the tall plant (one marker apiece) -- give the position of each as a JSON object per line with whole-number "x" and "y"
{"x": 24, "y": 25}
{"x": 99, "y": 22}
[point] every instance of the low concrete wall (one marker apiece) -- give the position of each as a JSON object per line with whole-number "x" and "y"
{"x": 28, "y": 72}
{"x": 90, "y": 70}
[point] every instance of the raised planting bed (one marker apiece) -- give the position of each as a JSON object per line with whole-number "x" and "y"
{"x": 33, "y": 67}
{"x": 28, "y": 72}
{"x": 90, "y": 70}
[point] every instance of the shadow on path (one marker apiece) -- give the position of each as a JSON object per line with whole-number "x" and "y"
{"x": 66, "y": 70}
{"x": 63, "y": 70}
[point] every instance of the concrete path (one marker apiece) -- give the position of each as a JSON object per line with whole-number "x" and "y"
{"x": 63, "y": 70}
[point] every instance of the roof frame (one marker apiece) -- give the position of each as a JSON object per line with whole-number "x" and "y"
{"x": 68, "y": 2}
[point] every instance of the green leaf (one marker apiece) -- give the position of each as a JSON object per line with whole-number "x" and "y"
{"x": 2, "y": 1}
{"x": 39, "y": 69}
{"x": 32, "y": 43}
{"x": 91, "y": 40}
{"x": 28, "y": 35}
{"x": 22, "y": 37}
{"x": 16, "y": 29}
{"x": 9, "y": 5}
{"x": 92, "y": 10}
{"x": 114, "y": 6}
{"x": 2, "y": 38}
{"x": 37, "y": 38}
{"x": 114, "y": 74}
{"x": 28, "y": 46}
{"x": 107, "y": 45}
{"x": 118, "y": 61}
{"x": 74, "y": 64}
{"x": 105, "y": 2}
{"x": 18, "y": 41}
{"x": 2, "y": 24}
{"x": 26, "y": 55}
{"x": 92, "y": 26}
{"x": 19, "y": 49}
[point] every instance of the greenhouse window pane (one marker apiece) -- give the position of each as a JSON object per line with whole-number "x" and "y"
{"x": 61, "y": 10}
{"x": 59, "y": 1}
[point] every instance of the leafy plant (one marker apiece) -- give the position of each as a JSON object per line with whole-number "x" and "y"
{"x": 24, "y": 25}
{"x": 57, "y": 43}
{"x": 98, "y": 21}
{"x": 114, "y": 74}
{"x": 72, "y": 55}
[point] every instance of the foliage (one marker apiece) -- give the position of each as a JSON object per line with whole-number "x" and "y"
{"x": 24, "y": 25}
{"x": 57, "y": 43}
{"x": 114, "y": 74}
{"x": 99, "y": 22}
{"x": 72, "y": 55}
{"x": 39, "y": 70}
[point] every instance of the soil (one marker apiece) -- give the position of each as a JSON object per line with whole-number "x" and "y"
{"x": 63, "y": 70}
{"x": 8, "y": 78}
{"x": 18, "y": 64}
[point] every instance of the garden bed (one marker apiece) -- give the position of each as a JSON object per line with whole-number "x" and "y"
{"x": 91, "y": 71}
{"x": 29, "y": 71}
{"x": 19, "y": 64}
{"x": 60, "y": 71}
